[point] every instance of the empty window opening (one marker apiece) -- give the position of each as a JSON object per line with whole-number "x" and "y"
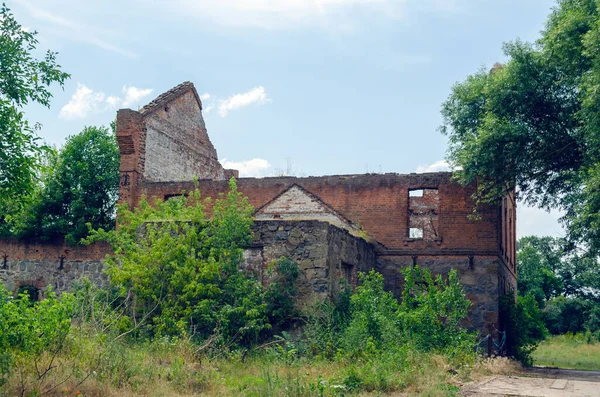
{"x": 423, "y": 214}
{"x": 415, "y": 232}
{"x": 347, "y": 272}
{"x": 171, "y": 196}
{"x": 31, "y": 291}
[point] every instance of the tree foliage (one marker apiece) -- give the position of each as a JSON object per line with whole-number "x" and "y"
{"x": 565, "y": 285}
{"x": 524, "y": 326}
{"x": 79, "y": 185}
{"x": 534, "y": 122}
{"x": 547, "y": 270}
{"x": 539, "y": 260}
{"x": 183, "y": 268}
{"x": 23, "y": 79}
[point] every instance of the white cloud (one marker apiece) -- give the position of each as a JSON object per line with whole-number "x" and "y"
{"x": 85, "y": 101}
{"x": 132, "y": 95}
{"x": 208, "y": 102}
{"x": 113, "y": 101}
{"x": 248, "y": 168}
{"x": 438, "y": 166}
{"x": 256, "y": 95}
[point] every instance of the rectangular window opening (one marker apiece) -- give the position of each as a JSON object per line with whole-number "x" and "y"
{"x": 415, "y": 233}
{"x": 347, "y": 272}
{"x": 423, "y": 215}
{"x": 170, "y": 196}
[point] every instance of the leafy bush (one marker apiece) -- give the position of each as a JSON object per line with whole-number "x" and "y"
{"x": 431, "y": 310}
{"x": 373, "y": 321}
{"x": 325, "y": 323}
{"x": 523, "y": 324}
{"x": 280, "y": 294}
{"x": 32, "y": 333}
{"x": 182, "y": 268}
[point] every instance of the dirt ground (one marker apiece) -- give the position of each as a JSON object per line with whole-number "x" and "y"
{"x": 538, "y": 382}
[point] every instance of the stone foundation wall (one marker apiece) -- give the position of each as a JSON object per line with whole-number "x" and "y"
{"x": 479, "y": 276}
{"x": 49, "y": 263}
{"x": 320, "y": 250}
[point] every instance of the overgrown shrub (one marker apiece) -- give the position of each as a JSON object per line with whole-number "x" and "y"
{"x": 325, "y": 323}
{"x": 181, "y": 271}
{"x": 431, "y": 310}
{"x": 182, "y": 268}
{"x": 280, "y": 294}
{"x": 32, "y": 333}
{"x": 524, "y": 326}
{"x": 372, "y": 321}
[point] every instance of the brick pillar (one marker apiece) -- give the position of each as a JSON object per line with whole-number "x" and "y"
{"x": 131, "y": 136}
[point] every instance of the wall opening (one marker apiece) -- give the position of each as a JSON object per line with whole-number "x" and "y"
{"x": 423, "y": 214}
{"x": 415, "y": 233}
{"x": 347, "y": 272}
{"x": 178, "y": 195}
{"x": 31, "y": 291}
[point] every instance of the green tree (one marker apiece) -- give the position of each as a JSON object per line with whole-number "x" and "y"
{"x": 564, "y": 284}
{"x": 432, "y": 309}
{"x": 539, "y": 260}
{"x": 534, "y": 122}
{"x": 547, "y": 270}
{"x": 80, "y": 186}
{"x": 182, "y": 268}
{"x": 23, "y": 79}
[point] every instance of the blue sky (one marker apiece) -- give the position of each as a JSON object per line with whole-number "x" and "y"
{"x": 313, "y": 86}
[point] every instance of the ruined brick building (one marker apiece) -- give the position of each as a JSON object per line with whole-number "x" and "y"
{"x": 332, "y": 226}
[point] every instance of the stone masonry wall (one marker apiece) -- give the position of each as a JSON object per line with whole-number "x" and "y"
{"x": 479, "y": 276}
{"x": 41, "y": 264}
{"x": 319, "y": 249}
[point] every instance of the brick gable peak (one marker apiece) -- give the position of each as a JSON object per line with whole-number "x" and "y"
{"x": 170, "y": 96}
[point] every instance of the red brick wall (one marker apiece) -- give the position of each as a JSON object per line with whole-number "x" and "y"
{"x": 132, "y": 140}
{"x": 42, "y": 264}
{"x": 378, "y": 203}
{"x": 33, "y": 249}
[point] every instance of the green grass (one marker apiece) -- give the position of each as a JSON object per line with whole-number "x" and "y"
{"x": 91, "y": 367}
{"x": 569, "y": 351}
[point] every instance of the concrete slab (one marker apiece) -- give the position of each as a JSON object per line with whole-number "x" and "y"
{"x": 559, "y": 384}
{"x": 532, "y": 387}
